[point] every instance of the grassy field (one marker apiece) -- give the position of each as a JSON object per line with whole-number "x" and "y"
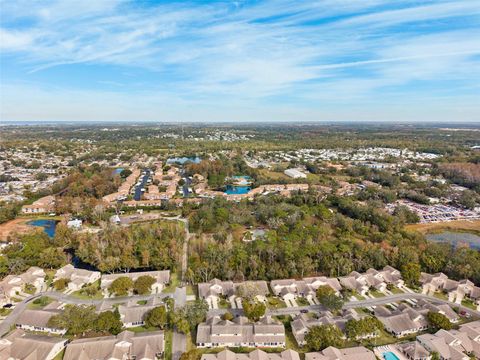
{"x": 461, "y": 225}
{"x": 174, "y": 282}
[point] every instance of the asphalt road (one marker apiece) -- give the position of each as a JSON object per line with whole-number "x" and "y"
{"x": 179, "y": 345}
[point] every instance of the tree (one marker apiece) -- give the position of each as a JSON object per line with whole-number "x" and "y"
{"x": 109, "y": 321}
{"x": 183, "y": 326}
{"x": 253, "y": 309}
{"x": 357, "y": 329}
{"x": 323, "y": 336}
{"x": 190, "y": 355}
{"x": 435, "y": 356}
{"x": 143, "y": 285}
{"x": 60, "y": 284}
{"x": 411, "y": 274}
{"x": 157, "y": 317}
{"x": 121, "y": 286}
{"x": 77, "y": 319}
{"x": 125, "y": 173}
{"x": 327, "y": 297}
{"x": 195, "y": 312}
{"x": 438, "y": 321}
{"x": 227, "y": 316}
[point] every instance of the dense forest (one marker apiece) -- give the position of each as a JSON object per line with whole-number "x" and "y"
{"x": 308, "y": 238}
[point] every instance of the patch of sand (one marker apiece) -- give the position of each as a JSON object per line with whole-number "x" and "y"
{"x": 13, "y": 226}
{"x": 465, "y": 225}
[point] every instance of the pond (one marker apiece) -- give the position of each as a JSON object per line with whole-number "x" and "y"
{"x": 117, "y": 171}
{"x": 456, "y": 238}
{"x": 237, "y": 190}
{"x": 183, "y": 160}
{"x": 48, "y": 226}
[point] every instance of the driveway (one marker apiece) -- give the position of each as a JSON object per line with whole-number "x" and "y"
{"x": 179, "y": 345}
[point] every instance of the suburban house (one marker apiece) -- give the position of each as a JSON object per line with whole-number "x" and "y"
{"x": 20, "y": 345}
{"x": 332, "y": 353}
{"x": 161, "y": 277}
{"x": 37, "y": 320}
{"x": 389, "y": 275}
{"x": 253, "y": 355}
{"x": 132, "y": 314}
{"x": 351, "y": 282}
{"x": 289, "y": 290}
{"x": 376, "y": 279}
{"x": 12, "y": 285}
{"x": 456, "y": 290}
{"x": 443, "y": 309}
{"x": 43, "y": 205}
{"x": 212, "y": 291}
{"x": 453, "y": 344}
{"x": 402, "y": 321}
{"x": 77, "y": 277}
{"x": 239, "y": 332}
{"x": 126, "y": 345}
{"x": 302, "y": 323}
{"x": 313, "y": 283}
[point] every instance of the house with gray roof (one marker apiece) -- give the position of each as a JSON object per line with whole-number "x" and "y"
{"x": 240, "y": 332}
{"x": 126, "y": 345}
{"x": 302, "y": 323}
{"x": 77, "y": 277}
{"x": 215, "y": 289}
{"x": 162, "y": 277}
{"x": 332, "y": 353}
{"x": 12, "y": 285}
{"x": 253, "y": 355}
{"x": 20, "y": 345}
{"x": 37, "y": 320}
{"x": 133, "y": 314}
{"x": 402, "y": 321}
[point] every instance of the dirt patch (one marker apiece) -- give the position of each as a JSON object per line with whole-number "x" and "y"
{"x": 461, "y": 225}
{"x": 13, "y": 226}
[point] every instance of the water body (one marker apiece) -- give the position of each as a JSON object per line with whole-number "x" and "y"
{"x": 183, "y": 160}
{"x": 237, "y": 190}
{"x": 48, "y": 226}
{"x": 456, "y": 238}
{"x": 117, "y": 171}
{"x": 138, "y": 189}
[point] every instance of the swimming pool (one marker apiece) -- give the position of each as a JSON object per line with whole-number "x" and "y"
{"x": 390, "y": 356}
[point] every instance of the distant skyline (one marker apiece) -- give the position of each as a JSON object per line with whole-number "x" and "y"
{"x": 251, "y": 61}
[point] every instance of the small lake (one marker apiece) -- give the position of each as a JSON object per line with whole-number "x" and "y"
{"x": 456, "y": 238}
{"x": 183, "y": 160}
{"x": 237, "y": 190}
{"x": 117, "y": 171}
{"x": 48, "y": 226}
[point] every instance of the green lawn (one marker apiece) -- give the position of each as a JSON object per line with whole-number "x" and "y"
{"x": 440, "y": 295}
{"x": 59, "y": 355}
{"x": 80, "y": 295}
{"x": 39, "y": 303}
{"x": 301, "y": 301}
{"x": 140, "y": 329}
{"x": 469, "y": 303}
{"x": 224, "y": 304}
{"x": 168, "y": 345}
{"x": 396, "y": 290}
{"x": 174, "y": 282}
{"x": 275, "y": 303}
{"x": 5, "y": 312}
{"x": 376, "y": 293}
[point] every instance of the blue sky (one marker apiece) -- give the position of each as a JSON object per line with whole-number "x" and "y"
{"x": 326, "y": 60}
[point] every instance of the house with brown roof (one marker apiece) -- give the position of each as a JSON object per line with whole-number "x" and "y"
{"x": 126, "y": 345}
{"x": 77, "y": 277}
{"x": 43, "y": 205}
{"x": 162, "y": 277}
{"x": 332, "y": 353}
{"x": 20, "y": 345}
{"x": 240, "y": 332}
{"x": 253, "y": 355}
